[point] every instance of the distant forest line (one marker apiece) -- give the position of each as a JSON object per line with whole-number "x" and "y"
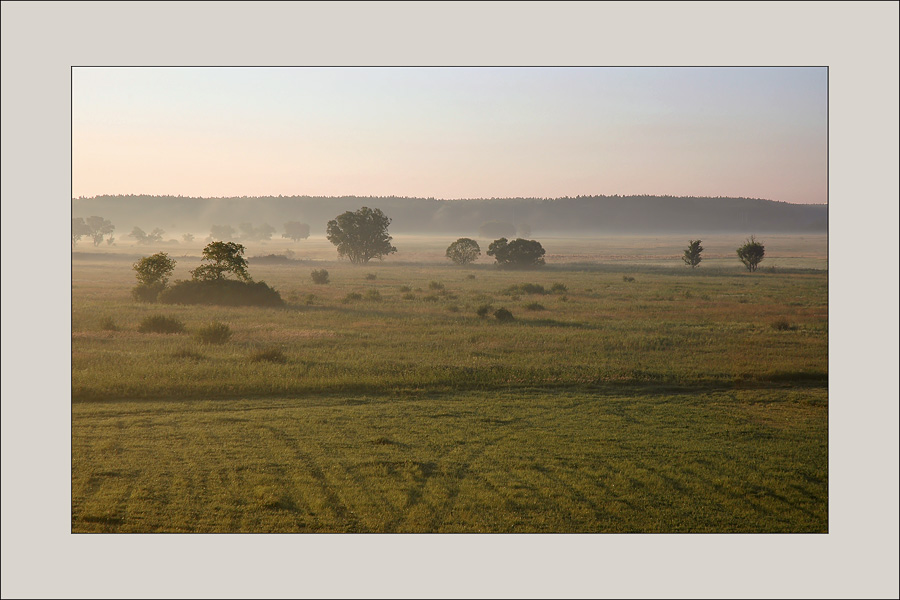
{"x": 558, "y": 216}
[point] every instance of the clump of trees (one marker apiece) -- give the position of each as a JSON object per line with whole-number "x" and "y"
{"x": 223, "y": 279}
{"x": 94, "y": 227}
{"x": 221, "y": 233}
{"x": 751, "y": 253}
{"x": 361, "y": 235}
{"x": 296, "y": 231}
{"x": 464, "y": 251}
{"x": 692, "y": 254}
{"x": 144, "y": 238}
{"x": 252, "y": 233}
{"x": 519, "y": 253}
{"x": 319, "y": 276}
{"x": 152, "y": 273}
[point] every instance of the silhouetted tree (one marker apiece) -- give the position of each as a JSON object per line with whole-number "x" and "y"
{"x": 751, "y": 253}
{"x": 100, "y": 228}
{"x": 188, "y": 237}
{"x": 152, "y": 273}
{"x": 221, "y": 233}
{"x": 361, "y": 235}
{"x": 517, "y": 253}
{"x": 255, "y": 234}
{"x": 295, "y": 230}
{"x": 79, "y": 230}
{"x": 223, "y": 258}
{"x": 463, "y": 251}
{"x": 692, "y": 254}
{"x": 142, "y": 237}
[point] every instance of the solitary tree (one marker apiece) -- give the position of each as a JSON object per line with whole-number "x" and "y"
{"x": 751, "y": 253}
{"x": 188, "y": 237}
{"x": 517, "y": 253}
{"x": 100, "y": 228}
{"x": 295, "y": 230}
{"x": 79, "y": 229}
{"x": 223, "y": 258}
{"x": 361, "y": 235}
{"x": 255, "y": 234}
{"x": 463, "y": 251}
{"x": 692, "y": 254}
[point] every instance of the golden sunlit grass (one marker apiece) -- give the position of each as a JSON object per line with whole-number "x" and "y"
{"x": 673, "y": 402}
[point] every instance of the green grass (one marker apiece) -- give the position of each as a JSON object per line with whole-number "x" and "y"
{"x": 674, "y": 402}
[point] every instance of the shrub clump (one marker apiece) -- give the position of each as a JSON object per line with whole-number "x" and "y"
{"x": 214, "y": 333}
{"x": 223, "y": 292}
{"x": 351, "y": 297}
{"x": 373, "y": 295}
{"x": 108, "y": 324}
{"x": 160, "y": 324}
{"x": 535, "y": 306}
{"x": 525, "y": 288}
{"x": 147, "y": 292}
{"x": 435, "y": 285}
{"x": 783, "y": 325}
{"x": 559, "y": 288}
{"x": 319, "y": 276}
{"x": 627, "y": 279}
{"x": 371, "y": 276}
{"x": 272, "y": 355}
{"x": 503, "y": 315}
{"x": 483, "y": 310}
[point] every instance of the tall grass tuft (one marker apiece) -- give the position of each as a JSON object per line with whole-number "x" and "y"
{"x": 214, "y": 333}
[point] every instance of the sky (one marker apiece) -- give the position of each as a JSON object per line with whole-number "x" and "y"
{"x": 467, "y": 132}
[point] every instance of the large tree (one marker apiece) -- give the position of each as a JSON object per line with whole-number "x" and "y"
{"x": 100, "y": 228}
{"x": 361, "y": 235}
{"x": 751, "y": 253}
{"x": 79, "y": 229}
{"x": 295, "y": 230}
{"x": 222, "y": 258}
{"x": 518, "y": 253}
{"x": 463, "y": 251}
{"x": 145, "y": 238}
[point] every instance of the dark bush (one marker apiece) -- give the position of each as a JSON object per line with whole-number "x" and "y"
{"x": 783, "y": 325}
{"x": 435, "y": 285}
{"x": 628, "y": 279}
{"x": 214, "y": 333}
{"x": 503, "y": 315}
{"x": 371, "y": 276}
{"x": 405, "y": 288}
{"x": 222, "y": 292}
{"x": 147, "y": 292}
{"x": 319, "y": 276}
{"x": 107, "y": 324}
{"x": 483, "y": 310}
{"x": 351, "y": 297}
{"x": 160, "y": 324}
{"x": 271, "y": 259}
{"x": 273, "y": 355}
{"x": 559, "y": 287}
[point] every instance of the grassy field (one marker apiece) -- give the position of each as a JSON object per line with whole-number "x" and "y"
{"x": 636, "y": 396}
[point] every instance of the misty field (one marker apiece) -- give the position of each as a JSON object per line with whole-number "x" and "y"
{"x": 628, "y": 394}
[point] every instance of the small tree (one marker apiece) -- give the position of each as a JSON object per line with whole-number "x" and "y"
{"x": 692, "y": 254}
{"x": 361, "y": 235}
{"x": 319, "y": 276}
{"x": 154, "y": 269}
{"x": 751, "y": 253}
{"x": 99, "y": 228}
{"x": 79, "y": 230}
{"x": 518, "y": 253}
{"x": 223, "y": 258}
{"x": 464, "y": 251}
{"x": 255, "y": 234}
{"x": 296, "y": 231}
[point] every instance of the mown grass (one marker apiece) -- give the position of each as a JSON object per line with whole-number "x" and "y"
{"x": 674, "y": 402}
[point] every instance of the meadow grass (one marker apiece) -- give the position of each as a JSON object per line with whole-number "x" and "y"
{"x": 676, "y": 401}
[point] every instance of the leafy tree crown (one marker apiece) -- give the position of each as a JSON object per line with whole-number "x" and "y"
{"x": 464, "y": 251}
{"x": 361, "y": 235}
{"x": 154, "y": 269}
{"x": 692, "y": 254}
{"x": 751, "y": 253}
{"x": 517, "y": 253}
{"x": 222, "y": 258}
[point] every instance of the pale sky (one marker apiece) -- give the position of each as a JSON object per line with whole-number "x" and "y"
{"x": 472, "y": 132}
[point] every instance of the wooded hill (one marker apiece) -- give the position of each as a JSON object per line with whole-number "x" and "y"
{"x": 558, "y": 216}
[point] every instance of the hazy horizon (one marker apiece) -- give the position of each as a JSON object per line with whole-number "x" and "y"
{"x": 451, "y": 133}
